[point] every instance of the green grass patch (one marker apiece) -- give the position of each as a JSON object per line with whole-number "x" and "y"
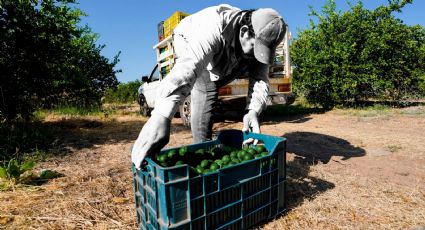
{"x": 414, "y": 111}
{"x": 104, "y": 111}
{"x": 375, "y": 110}
{"x": 69, "y": 110}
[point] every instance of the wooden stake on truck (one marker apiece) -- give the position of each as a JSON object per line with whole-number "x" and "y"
{"x": 233, "y": 95}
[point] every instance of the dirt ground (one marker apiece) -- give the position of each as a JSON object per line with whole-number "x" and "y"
{"x": 347, "y": 169}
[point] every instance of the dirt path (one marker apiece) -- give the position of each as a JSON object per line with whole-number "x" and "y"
{"x": 346, "y": 170}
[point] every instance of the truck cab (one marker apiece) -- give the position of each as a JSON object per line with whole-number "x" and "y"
{"x": 146, "y": 92}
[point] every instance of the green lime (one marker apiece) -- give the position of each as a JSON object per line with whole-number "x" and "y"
{"x": 241, "y": 153}
{"x": 236, "y": 161}
{"x": 219, "y": 162}
{"x": 207, "y": 171}
{"x": 199, "y": 170}
{"x": 257, "y": 155}
{"x": 214, "y": 167}
{"x": 233, "y": 154}
{"x": 260, "y": 148}
{"x": 179, "y": 163}
{"x": 205, "y": 163}
{"x": 225, "y": 159}
{"x": 251, "y": 151}
{"x": 248, "y": 157}
{"x": 183, "y": 151}
{"x": 164, "y": 164}
{"x": 171, "y": 153}
{"x": 163, "y": 158}
{"x": 264, "y": 154}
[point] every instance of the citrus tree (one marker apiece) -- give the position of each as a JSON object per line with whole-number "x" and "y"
{"x": 47, "y": 58}
{"x": 346, "y": 57}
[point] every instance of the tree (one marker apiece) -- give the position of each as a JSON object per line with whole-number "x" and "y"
{"x": 358, "y": 54}
{"x": 47, "y": 58}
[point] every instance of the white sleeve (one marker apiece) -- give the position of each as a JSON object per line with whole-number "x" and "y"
{"x": 258, "y": 87}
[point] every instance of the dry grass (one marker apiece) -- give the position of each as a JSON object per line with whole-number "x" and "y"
{"x": 351, "y": 189}
{"x": 94, "y": 193}
{"x": 329, "y": 200}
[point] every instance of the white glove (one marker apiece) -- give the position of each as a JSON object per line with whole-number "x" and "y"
{"x": 251, "y": 124}
{"x": 154, "y": 135}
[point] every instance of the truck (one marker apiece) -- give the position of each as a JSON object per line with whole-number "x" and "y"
{"x": 231, "y": 96}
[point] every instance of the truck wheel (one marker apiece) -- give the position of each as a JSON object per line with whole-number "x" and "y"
{"x": 185, "y": 111}
{"x": 144, "y": 108}
{"x": 290, "y": 99}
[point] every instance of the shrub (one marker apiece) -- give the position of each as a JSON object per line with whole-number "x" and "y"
{"x": 124, "y": 93}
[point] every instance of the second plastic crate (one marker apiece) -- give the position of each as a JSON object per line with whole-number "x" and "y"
{"x": 172, "y": 22}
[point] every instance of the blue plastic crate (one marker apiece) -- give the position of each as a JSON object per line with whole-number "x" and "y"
{"x": 235, "y": 197}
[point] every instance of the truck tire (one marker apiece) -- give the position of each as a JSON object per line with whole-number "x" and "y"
{"x": 185, "y": 111}
{"x": 144, "y": 108}
{"x": 290, "y": 99}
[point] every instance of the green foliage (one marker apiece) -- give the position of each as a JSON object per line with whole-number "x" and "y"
{"x": 124, "y": 93}
{"x": 21, "y": 140}
{"x": 47, "y": 59}
{"x": 14, "y": 169}
{"x": 47, "y": 174}
{"x": 359, "y": 54}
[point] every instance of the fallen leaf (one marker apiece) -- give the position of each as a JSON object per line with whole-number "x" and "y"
{"x": 119, "y": 200}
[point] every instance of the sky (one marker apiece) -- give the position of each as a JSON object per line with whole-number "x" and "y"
{"x": 130, "y": 26}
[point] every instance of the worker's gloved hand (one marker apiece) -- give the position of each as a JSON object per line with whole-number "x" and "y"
{"x": 251, "y": 124}
{"x": 154, "y": 136}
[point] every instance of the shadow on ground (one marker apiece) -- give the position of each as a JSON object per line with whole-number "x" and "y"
{"x": 84, "y": 133}
{"x": 309, "y": 149}
{"x": 289, "y": 114}
{"x": 306, "y": 150}
{"x": 301, "y": 186}
{"x": 315, "y": 147}
{"x": 272, "y": 115}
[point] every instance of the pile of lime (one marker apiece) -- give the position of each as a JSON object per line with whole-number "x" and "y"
{"x": 207, "y": 160}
